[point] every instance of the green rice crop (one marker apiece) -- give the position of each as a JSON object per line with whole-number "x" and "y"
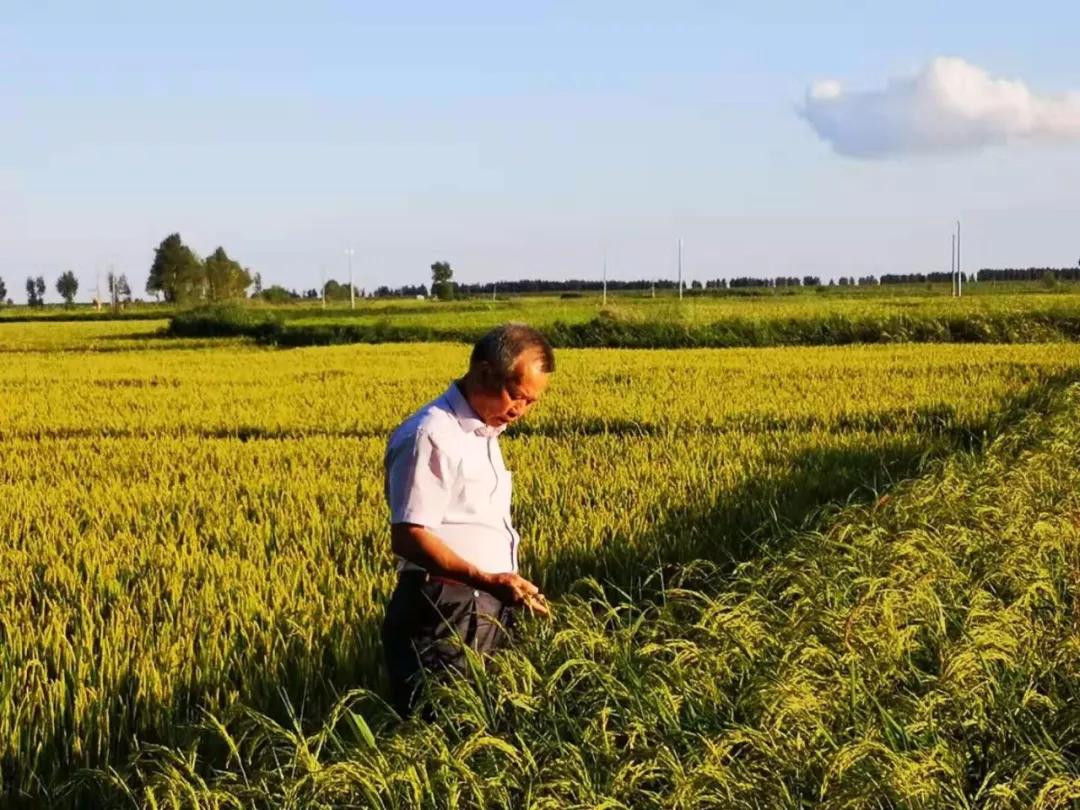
{"x": 666, "y": 323}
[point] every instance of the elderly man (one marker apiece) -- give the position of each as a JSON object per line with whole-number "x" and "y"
{"x": 449, "y": 497}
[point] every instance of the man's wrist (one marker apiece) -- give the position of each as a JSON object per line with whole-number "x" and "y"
{"x": 481, "y": 579}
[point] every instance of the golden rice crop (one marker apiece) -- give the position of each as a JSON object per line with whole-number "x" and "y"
{"x": 918, "y": 651}
{"x": 187, "y": 528}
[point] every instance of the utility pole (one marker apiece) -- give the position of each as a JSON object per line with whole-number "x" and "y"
{"x": 605, "y": 278}
{"x": 952, "y": 267}
{"x": 352, "y": 290}
{"x": 494, "y": 287}
{"x": 680, "y": 269}
{"x": 959, "y": 272}
{"x": 322, "y": 286}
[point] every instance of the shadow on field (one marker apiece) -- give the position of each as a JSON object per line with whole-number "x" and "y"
{"x": 757, "y": 517}
{"x": 747, "y": 521}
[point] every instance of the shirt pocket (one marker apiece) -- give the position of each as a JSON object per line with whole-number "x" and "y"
{"x": 479, "y": 485}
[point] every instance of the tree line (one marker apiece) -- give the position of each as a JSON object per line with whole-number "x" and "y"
{"x": 177, "y": 274}
{"x": 442, "y": 286}
{"x": 539, "y": 286}
{"x": 332, "y": 290}
{"x": 180, "y": 276}
{"x": 1029, "y": 274}
{"x": 67, "y": 286}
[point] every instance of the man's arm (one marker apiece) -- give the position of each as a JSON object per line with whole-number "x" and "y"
{"x": 423, "y": 547}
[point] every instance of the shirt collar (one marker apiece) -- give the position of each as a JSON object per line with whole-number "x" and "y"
{"x": 468, "y": 419}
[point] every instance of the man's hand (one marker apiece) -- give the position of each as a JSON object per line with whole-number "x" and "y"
{"x": 421, "y": 546}
{"x": 517, "y": 591}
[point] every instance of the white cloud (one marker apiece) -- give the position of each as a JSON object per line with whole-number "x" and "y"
{"x": 950, "y": 105}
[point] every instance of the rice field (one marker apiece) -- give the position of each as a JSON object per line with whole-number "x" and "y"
{"x": 193, "y": 528}
{"x": 804, "y": 319}
{"x": 877, "y": 302}
{"x": 917, "y": 651}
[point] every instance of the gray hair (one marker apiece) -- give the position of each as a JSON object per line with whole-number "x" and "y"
{"x": 500, "y": 349}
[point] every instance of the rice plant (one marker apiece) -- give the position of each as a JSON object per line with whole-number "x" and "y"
{"x": 918, "y": 651}
{"x": 194, "y": 547}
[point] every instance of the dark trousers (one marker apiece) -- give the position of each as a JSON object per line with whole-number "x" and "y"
{"x": 428, "y": 621}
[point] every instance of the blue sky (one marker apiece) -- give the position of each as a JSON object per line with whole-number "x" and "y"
{"x": 513, "y": 140}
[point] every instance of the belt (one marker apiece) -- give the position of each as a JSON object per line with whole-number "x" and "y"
{"x": 424, "y": 576}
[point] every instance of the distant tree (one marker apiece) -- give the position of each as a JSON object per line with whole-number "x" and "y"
{"x": 225, "y": 278}
{"x": 336, "y": 291}
{"x": 3, "y": 290}
{"x": 743, "y": 281}
{"x": 332, "y": 290}
{"x": 123, "y": 289}
{"x": 68, "y": 286}
{"x": 442, "y": 284}
{"x": 176, "y": 273}
{"x": 414, "y": 291}
{"x": 257, "y": 281}
{"x": 119, "y": 289}
{"x": 35, "y": 291}
{"x": 276, "y": 294}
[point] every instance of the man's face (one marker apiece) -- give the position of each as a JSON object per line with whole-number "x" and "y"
{"x": 526, "y": 385}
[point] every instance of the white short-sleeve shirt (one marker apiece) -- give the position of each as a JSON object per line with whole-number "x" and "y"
{"x": 444, "y": 471}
